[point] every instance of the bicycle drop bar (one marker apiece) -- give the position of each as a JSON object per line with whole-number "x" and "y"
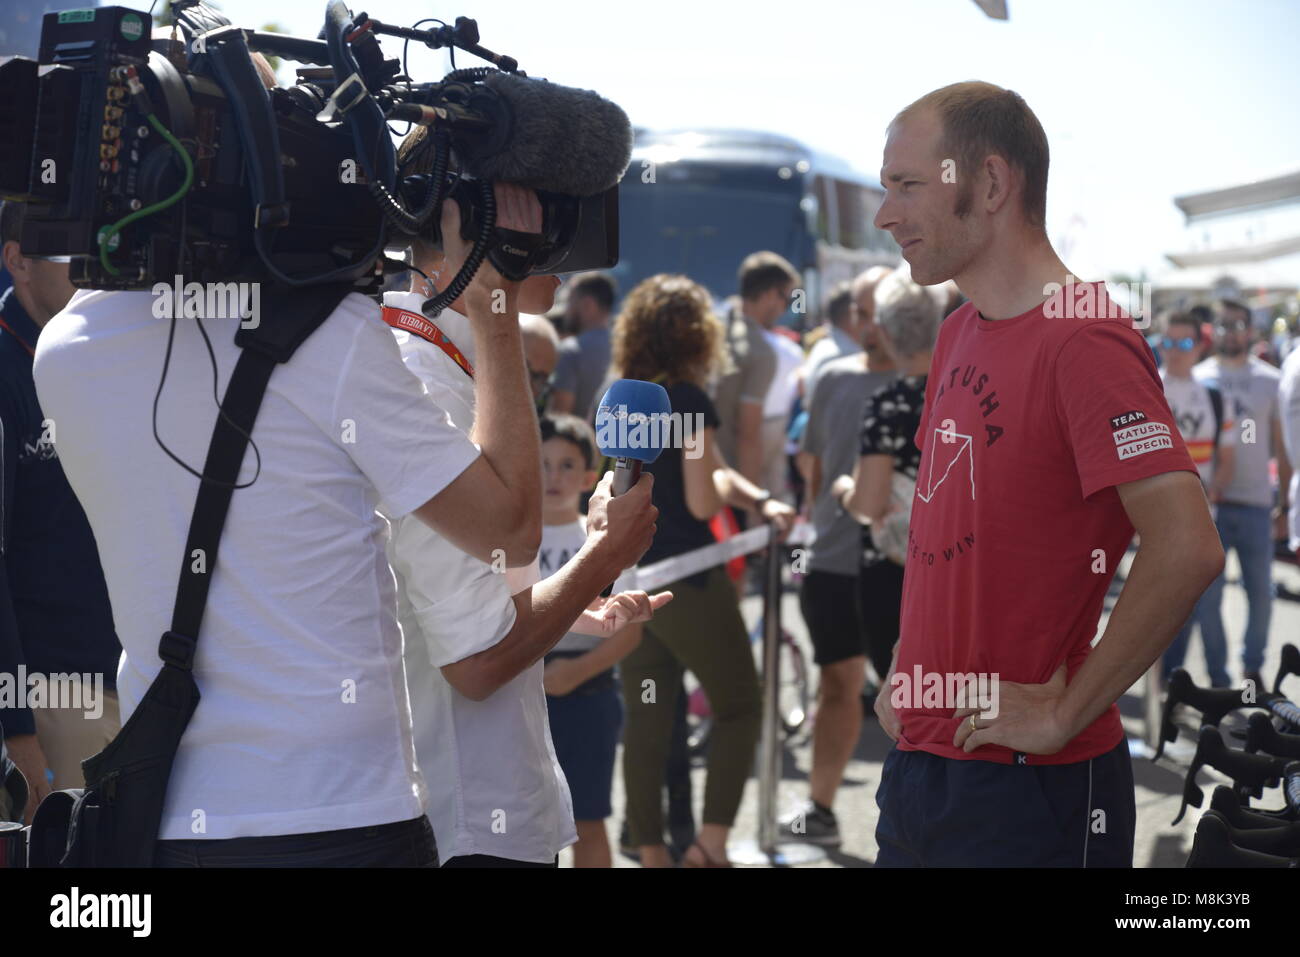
{"x": 1228, "y": 804}
{"x": 1261, "y": 736}
{"x": 1282, "y": 840}
{"x": 1254, "y": 771}
{"x": 1213, "y": 847}
{"x": 1214, "y": 703}
{"x": 1289, "y": 664}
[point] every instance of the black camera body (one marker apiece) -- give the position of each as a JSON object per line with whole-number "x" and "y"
{"x": 143, "y": 166}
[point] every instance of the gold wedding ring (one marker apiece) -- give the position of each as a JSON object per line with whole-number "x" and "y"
{"x": 973, "y": 726}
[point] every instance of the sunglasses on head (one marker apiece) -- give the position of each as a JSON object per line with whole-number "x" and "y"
{"x": 1185, "y": 344}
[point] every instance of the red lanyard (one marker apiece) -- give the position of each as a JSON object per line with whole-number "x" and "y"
{"x": 426, "y": 329}
{"x": 21, "y": 341}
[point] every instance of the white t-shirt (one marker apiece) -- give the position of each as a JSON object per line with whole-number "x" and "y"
{"x": 1288, "y": 399}
{"x": 1250, "y": 392}
{"x": 559, "y": 544}
{"x": 495, "y": 784}
{"x": 304, "y": 724}
{"x": 785, "y": 383}
{"x": 1189, "y": 400}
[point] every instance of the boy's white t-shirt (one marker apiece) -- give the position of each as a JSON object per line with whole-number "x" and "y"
{"x": 304, "y": 724}
{"x": 559, "y": 544}
{"x": 495, "y": 784}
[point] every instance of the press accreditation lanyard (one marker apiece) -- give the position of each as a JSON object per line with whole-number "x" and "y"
{"x": 427, "y": 330}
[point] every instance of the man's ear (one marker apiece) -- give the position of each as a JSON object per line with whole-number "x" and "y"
{"x": 14, "y": 260}
{"x": 1001, "y": 180}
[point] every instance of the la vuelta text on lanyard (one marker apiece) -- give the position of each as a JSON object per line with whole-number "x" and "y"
{"x": 427, "y": 330}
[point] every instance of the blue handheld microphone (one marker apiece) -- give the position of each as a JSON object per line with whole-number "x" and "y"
{"x": 633, "y": 424}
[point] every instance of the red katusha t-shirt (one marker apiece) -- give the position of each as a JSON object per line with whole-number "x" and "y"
{"x": 1029, "y": 423}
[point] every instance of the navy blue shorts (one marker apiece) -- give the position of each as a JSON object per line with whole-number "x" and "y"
{"x": 940, "y": 812}
{"x": 586, "y": 728}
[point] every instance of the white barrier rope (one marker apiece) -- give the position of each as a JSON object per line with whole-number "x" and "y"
{"x": 656, "y": 576}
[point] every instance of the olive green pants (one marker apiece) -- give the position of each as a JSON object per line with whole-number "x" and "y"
{"x": 700, "y": 630}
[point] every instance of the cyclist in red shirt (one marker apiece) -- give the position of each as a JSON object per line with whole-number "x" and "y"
{"x": 1046, "y": 442}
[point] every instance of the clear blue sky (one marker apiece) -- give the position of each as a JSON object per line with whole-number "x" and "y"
{"x": 1142, "y": 100}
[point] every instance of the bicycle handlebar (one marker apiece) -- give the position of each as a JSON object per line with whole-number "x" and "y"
{"x": 1215, "y": 703}
{"x": 1228, "y": 804}
{"x": 1213, "y": 847}
{"x": 1262, "y": 736}
{"x": 1253, "y": 771}
{"x": 1289, "y": 664}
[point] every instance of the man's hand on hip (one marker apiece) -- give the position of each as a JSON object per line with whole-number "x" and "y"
{"x": 1026, "y": 719}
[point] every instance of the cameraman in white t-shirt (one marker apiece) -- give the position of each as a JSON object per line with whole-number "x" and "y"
{"x": 476, "y": 630}
{"x": 300, "y": 751}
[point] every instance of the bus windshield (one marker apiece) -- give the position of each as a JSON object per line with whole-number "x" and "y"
{"x": 703, "y": 219}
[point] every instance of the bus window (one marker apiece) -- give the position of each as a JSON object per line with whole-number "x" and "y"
{"x": 857, "y": 208}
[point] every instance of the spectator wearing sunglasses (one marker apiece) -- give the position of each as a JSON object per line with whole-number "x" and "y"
{"x": 1210, "y": 434}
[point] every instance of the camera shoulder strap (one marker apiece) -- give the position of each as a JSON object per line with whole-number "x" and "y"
{"x": 294, "y": 314}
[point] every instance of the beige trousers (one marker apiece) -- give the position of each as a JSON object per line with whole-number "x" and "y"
{"x": 68, "y": 735}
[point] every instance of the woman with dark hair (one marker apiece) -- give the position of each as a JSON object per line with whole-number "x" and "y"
{"x": 667, "y": 333}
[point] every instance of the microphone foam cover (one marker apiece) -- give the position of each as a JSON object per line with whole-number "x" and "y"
{"x": 564, "y": 140}
{"x": 634, "y": 420}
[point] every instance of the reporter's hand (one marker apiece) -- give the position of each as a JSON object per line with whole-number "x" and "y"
{"x": 25, "y": 752}
{"x": 622, "y": 528}
{"x": 627, "y": 607}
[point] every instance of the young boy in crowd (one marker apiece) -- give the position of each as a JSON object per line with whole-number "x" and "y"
{"x": 582, "y": 694}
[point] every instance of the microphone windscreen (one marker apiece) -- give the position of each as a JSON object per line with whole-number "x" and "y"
{"x": 634, "y": 420}
{"x": 564, "y": 140}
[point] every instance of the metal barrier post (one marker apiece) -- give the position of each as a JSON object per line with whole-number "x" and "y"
{"x": 1151, "y": 708}
{"x": 768, "y": 848}
{"x": 769, "y": 751}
